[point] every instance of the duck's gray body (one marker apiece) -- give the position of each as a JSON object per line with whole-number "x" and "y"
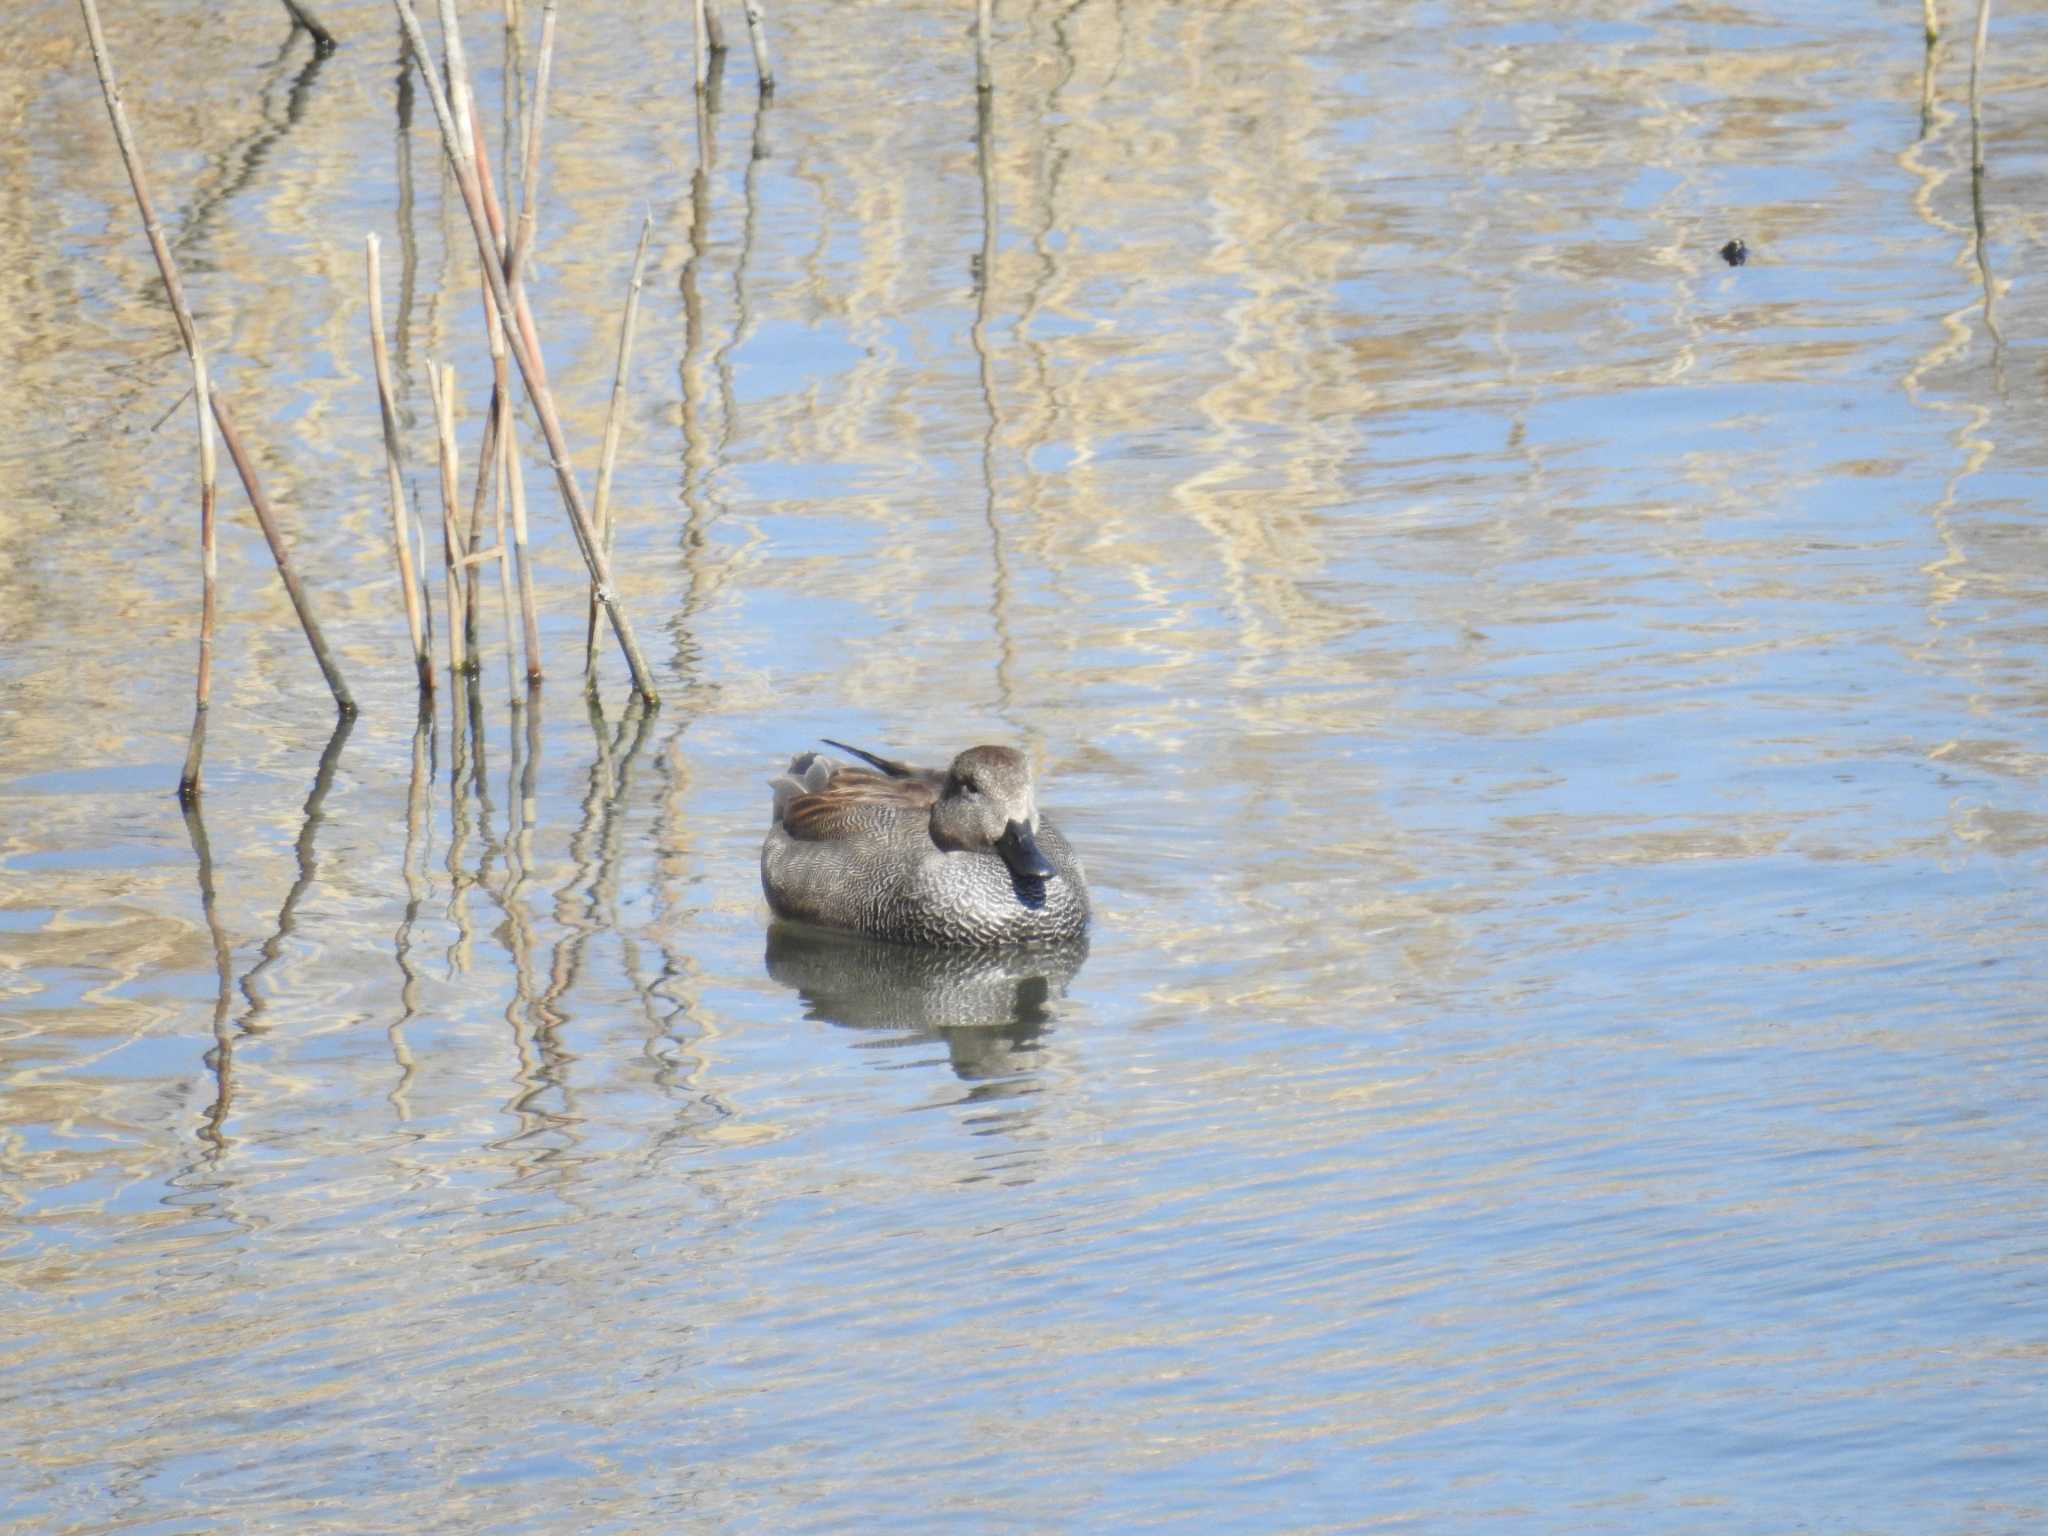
{"x": 955, "y": 857}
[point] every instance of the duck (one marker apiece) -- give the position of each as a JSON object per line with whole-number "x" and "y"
{"x": 953, "y": 857}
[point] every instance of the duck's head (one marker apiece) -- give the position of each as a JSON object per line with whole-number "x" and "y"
{"x": 987, "y": 806}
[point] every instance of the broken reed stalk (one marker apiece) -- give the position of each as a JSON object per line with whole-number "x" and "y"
{"x": 515, "y": 492}
{"x": 757, "y": 35}
{"x": 1930, "y": 20}
{"x": 486, "y": 487}
{"x": 195, "y": 746}
{"x": 1977, "y": 87}
{"x": 529, "y": 154}
{"x": 518, "y": 326}
{"x": 714, "y": 29}
{"x": 441, "y": 385}
{"x": 497, "y": 443}
{"x": 457, "y": 61}
{"x": 504, "y": 559}
{"x": 514, "y": 481}
{"x": 700, "y": 43}
{"x": 984, "y": 23}
{"x": 401, "y": 537}
{"x": 487, "y": 452}
{"x": 614, "y": 421}
{"x": 131, "y": 157}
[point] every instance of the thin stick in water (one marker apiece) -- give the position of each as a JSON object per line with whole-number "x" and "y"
{"x": 498, "y": 424}
{"x": 487, "y": 458}
{"x": 515, "y": 489}
{"x": 526, "y": 353}
{"x": 1977, "y": 86}
{"x": 401, "y": 539}
{"x": 529, "y": 165}
{"x": 441, "y": 385}
{"x": 614, "y": 421}
{"x": 131, "y": 157}
{"x": 195, "y": 747}
{"x": 504, "y": 559}
{"x": 757, "y": 35}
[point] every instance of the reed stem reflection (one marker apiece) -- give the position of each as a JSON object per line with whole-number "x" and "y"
{"x": 220, "y": 1060}
{"x": 999, "y": 564}
{"x": 743, "y": 318}
{"x": 413, "y": 869}
{"x": 459, "y": 776}
{"x": 237, "y": 166}
{"x": 306, "y": 854}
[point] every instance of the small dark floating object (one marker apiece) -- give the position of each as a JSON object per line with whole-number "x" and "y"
{"x": 1735, "y": 253}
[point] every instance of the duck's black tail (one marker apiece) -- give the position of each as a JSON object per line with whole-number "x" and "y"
{"x": 890, "y": 766}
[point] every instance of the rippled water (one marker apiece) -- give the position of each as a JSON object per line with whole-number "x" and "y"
{"x": 1556, "y": 724}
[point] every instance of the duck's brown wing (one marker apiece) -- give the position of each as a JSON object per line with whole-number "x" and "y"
{"x": 854, "y": 800}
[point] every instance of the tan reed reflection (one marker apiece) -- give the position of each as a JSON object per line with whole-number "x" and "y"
{"x": 743, "y": 316}
{"x": 306, "y": 856}
{"x": 236, "y": 166}
{"x": 1948, "y": 576}
{"x": 594, "y": 849}
{"x": 1928, "y": 63}
{"x": 682, "y": 1060}
{"x": 703, "y": 457}
{"x": 999, "y": 565}
{"x": 412, "y": 868}
{"x": 521, "y": 779}
{"x": 697, "y": 453}
{"x": 221, "y": 1059}
{"x": 460, "y": 778}
{"x": 406, "y": 214}
{"x": 544, "y": 1097}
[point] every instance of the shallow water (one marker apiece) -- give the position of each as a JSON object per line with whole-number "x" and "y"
{"x": 1556, "y": 725}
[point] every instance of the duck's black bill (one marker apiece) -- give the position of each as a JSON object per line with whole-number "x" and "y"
{"x": 1021, "y": 852}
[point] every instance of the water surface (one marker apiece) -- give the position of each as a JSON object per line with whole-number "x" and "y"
{"x": 1556, "y": 725}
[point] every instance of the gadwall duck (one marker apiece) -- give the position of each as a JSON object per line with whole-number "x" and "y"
{"x": 954, "y": 856}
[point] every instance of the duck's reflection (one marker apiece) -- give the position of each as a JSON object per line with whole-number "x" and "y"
{"x": 988, "y": 1008}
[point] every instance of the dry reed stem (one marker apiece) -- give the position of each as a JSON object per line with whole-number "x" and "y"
{"x": 527, "y": 354}
{"x": 394, "y": 480}
{"x": 513, "y": 480}
{"x": 487, "y": 450}
{"x": 614, "y": 422}
{"x": 1930, "y": 19}
{"x": 458, "y": 78}
{"x": 700, "y": 43}
{"x": 504, "y": 564}
{"x": 529, "y": 163}
{"x": 757, "y": 35}
{"x": 1977, "y": 86}
{"x": 441, "y": 385}
{"x": 498, "y": 424}
{"x": 131, "y": 157}
{"x": 714, "y": 28}
{"x": 209, "y": 564}
{"x": 515, "y": 249}
{"x": 515, "y": 490}
{"x": 984, "y": 24}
